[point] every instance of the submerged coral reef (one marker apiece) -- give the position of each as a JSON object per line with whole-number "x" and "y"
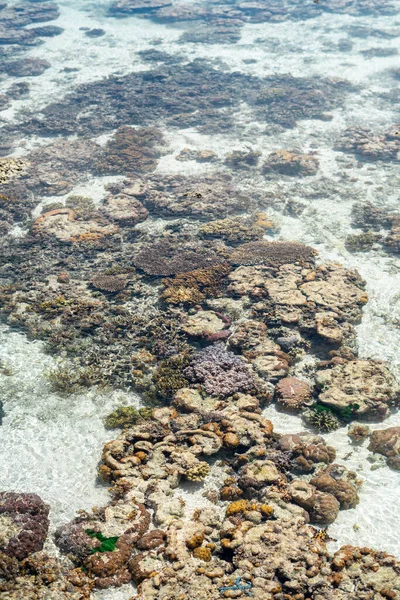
{"x": 208, "y": 416}
{"x": 179, "y": 282}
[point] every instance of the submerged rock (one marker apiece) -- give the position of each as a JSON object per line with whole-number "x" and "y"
{"x": 63, "y": 225}
{"x": 102, "y": 542}
{"x": 387, "y": 443}
{"x": 291, "y": 163}
{"x": 23, "y": 524}
{"x": 125, "y": 209}
{"x": 28, "y": 67}
{"x": 137, "y": 6}
{"x": 363, "y": 387}
{"x": 370, "y": 145}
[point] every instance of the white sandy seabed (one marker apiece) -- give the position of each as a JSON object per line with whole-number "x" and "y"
{"x": 52, "y": 444}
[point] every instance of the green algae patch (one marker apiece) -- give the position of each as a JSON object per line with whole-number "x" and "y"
{"x": 108, "y": 544}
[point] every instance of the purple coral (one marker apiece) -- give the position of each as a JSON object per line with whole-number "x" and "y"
{"x": 72, "y": 539}
{"x": 221, "y": 372}
{"x": 23, "y": 524}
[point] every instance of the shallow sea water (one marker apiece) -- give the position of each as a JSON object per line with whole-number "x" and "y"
{"x": 51, "y": 444}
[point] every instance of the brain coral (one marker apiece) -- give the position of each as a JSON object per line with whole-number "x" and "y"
{"x": 165, "y": 258}
{"x": 274, "y": 253}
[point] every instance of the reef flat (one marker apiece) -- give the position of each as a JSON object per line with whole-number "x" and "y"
{"x": 199, "y": 299}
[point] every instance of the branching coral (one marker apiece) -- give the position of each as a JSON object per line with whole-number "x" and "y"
{"x": 325, "y": 418}
{"x": 182, "y": 295}
{"x": 165, "y": 258}
{"x": 322, "y": 419}
{"x": 361, "y": 242}
{"x": 83, "y": 207}
{"x": 67, "y": 378}
{"x": 169, "y": 376}
{"x": 220, "y": 372}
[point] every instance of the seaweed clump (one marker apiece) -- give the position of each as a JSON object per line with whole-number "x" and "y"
{"x": 107, "y": 544}
{"x": 274, "y": 253}
{"x": 124, "y": 416}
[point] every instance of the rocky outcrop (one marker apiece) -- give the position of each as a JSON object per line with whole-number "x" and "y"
{"x": 287, "y": 162}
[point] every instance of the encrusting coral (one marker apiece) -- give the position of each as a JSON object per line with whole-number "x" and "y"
{"x": 275, "y": 253}
{"x": 237, "y": 230}
{"x": 164, "y": 258}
